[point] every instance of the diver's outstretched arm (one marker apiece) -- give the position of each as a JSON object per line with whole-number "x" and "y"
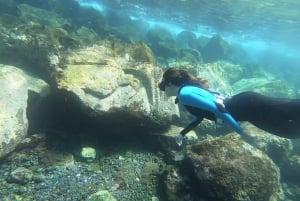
{"x": 191, "y": 126}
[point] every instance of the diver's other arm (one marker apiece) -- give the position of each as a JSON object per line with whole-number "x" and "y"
{"x": 187, "y": 129}
{"x": 191, "y": 126}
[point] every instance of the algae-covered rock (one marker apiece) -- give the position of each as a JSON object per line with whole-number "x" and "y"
{"x": 190, "y": 56}
{"x": 142, "y": 53}
{"x": 87, "y": 35}
{"x": 102, "y": 88}
{"x": 106, "y": 84}
{"x": 230, "y": 169}
{"x": 176, "y": 185}
{"x": 30, "y": 45}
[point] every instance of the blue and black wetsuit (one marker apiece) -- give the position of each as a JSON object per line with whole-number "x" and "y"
{"x": 277, "y": 116}
{"x": 204, "y": 104}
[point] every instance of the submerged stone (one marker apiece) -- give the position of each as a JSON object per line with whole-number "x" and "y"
{"x": 231, "y": 169}
{"x": 88, "y": 154}
{"x": 13, "y": 105}
{"x": 101, "y": 195}
{"x": 20, "y": 175}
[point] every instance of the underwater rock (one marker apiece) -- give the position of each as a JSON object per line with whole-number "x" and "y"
{"x": 151, "y": 170}
{"x": 13, "y": 105}
{"x": 114, "y": 86}
{"x": 175, "y": 184}
{"x": 142, "y": 53}
{"x": 189, "y": 56}
{"x": 57, "y": 158}
{"x": 101, "y": 195}
{"x": 216, "y": 49}
{"x": 162, "y": 43}
{"x": 186, "y": 40}
{"x": 29, "y": 45}
{"x": 86, "y": 35}
{"x": 88, "y": 154}
{"x": 15, "y": 84}
{"x": 20, "y": 175}
{"x": 277, "y": 148}
{"x": 201, "y": 42}
{"x": 167, "y": 139}
{"x": 230, "y": 169}
{"x": 34, "y": 84}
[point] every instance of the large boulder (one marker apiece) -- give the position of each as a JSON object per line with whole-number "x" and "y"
{"x": 162, "y": 43}
{"x": 228, "y": 168}
{"x": 13, "y": 105}
{"x": 186, "y": 40}
{"x": 216, "y": 49}
{"x": 105, "y": 84}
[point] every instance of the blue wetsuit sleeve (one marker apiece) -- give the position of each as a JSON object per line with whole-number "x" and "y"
{"x": 202, "y": 99}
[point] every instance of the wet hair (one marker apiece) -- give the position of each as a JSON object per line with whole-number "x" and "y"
{"x": 179, "y": 77}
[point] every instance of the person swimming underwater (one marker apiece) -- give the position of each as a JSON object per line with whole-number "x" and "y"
{"x": 278, "y": 116}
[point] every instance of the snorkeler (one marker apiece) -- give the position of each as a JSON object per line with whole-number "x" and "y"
{"x": 280, "y": 117}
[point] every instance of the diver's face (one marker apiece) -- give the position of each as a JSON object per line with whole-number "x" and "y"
{"x": 171, "y": 90}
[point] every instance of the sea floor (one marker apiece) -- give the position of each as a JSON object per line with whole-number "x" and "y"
{"x": 53, "y": 170}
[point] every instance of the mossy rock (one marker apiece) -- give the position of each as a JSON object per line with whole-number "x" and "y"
{"x": 216, "y": 49}
{"x": 142, "y": 53}
{"x": 162, "y": 43}
{"x": 116, "y": 46}
{"x": 231, "y": 169}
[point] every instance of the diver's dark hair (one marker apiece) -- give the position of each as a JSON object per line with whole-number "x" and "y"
{"x": 179, "y": 78}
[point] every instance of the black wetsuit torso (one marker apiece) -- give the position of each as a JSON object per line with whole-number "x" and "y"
{"x": 277, "y": 116}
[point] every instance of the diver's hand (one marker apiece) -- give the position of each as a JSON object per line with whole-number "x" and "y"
{"x": 178, "y": 139}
